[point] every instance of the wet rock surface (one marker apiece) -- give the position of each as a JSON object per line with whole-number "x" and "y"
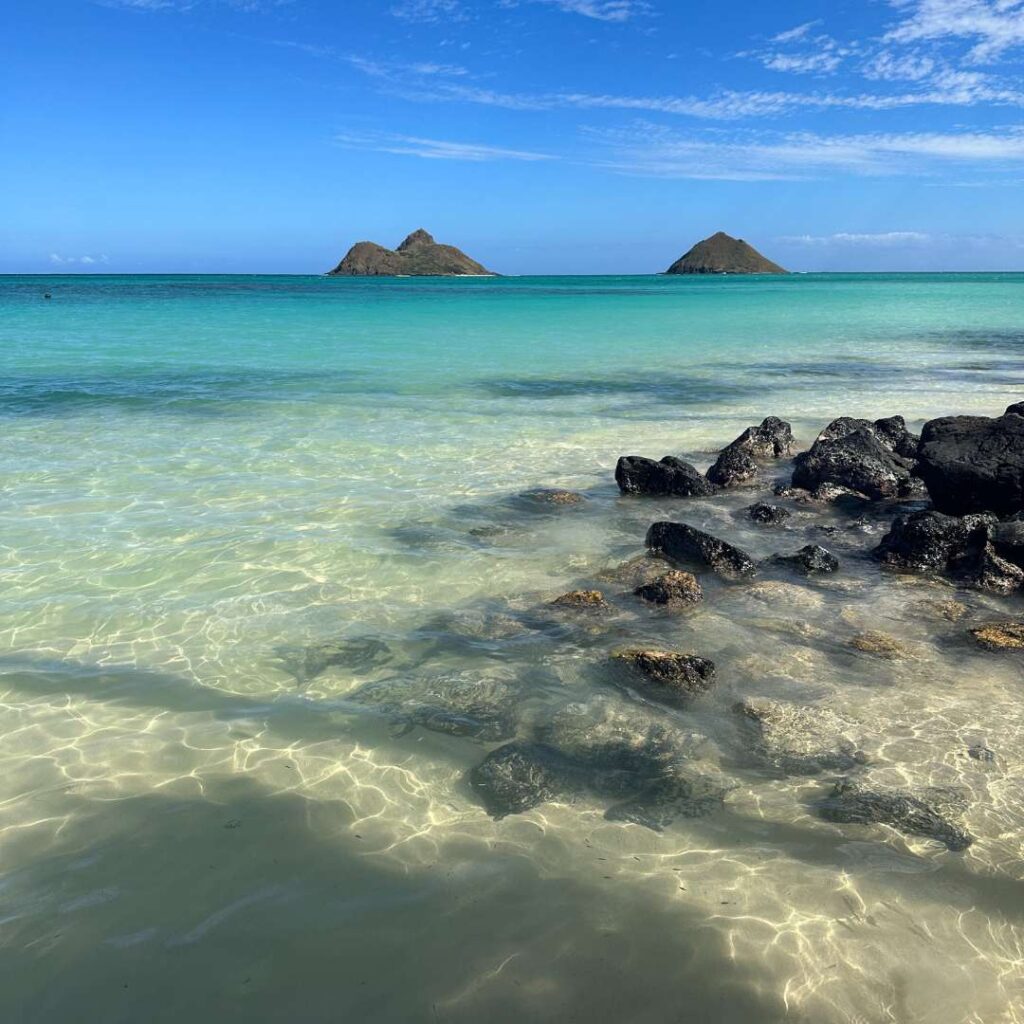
{"x": 851, "y": 803}
{"x": 974, "y": 464}
{"x": 668, "y": 676}
{"x": 852, "y": 455}
{"x": 768, "y": 515}
{"x": 882, "y": 645}
{"x": 582, "y": 600}
{"x": 733, "y": 468}
{"x": 549, "y": 498}
{"x": 811, "y": 559}
{"x": 771, "y": 439}
{"x": 670, "y": 477}
{"x": 683, "y": 543}
{"x": 673, "y": 588}
{"x": 1000, "y": 636}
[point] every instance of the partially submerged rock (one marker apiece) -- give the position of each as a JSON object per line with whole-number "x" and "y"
{"x": 768, "y": 515}
{"x": 584, "y": 600}
{"x": 851, "y": 803}
{"x": 968, "y": 548}
{"x": 880, "y": 644}
{"x": 683, "y": 543}
{"x": 671, "y": 477}
{"x": 810, "y": 559}
{"x": 550, "y": 497}
{"x": 1000, "y": 636}
{"x": 733, "y": 468}
{"x": 929, "y": 540}
{"x": 852, "y": 455}
{"x": 771, "y": 439}
{"x": 668, "y": 676}
{"x": 674, "y": 588}
{"x": 974, "y": 464}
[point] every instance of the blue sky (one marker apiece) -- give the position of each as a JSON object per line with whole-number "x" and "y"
{"x": 543, "y": 136}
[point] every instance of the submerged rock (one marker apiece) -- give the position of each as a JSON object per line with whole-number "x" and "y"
{"x": 585, "y": 600}
{"x": 672, "y": 588}
{"x": 671, "y": 477}
{"x": 358, "y": 654}
{"x": 520, "y": 776}
{"x": 974, "y": 464}
{"x": 1001, "y": 636}
{"x": 550, "y": 497}
{"x": 668, "y": 676}
{"x": 978, "y": 751}
{"x": 628, "y": 758}
{"x": 684, "y": 543}
{"x": 769, "y": 515}
{"x": 459, "y": 704}
{"x": 856, "y": 459}
{"x": 850, "y": 803}
{"x": 951, "y": 611}
{"x": 882, "y": 645}
{"x": 812, "y": 558}
{"x": 797, "y": 740}
{"x": 734, "y": 468}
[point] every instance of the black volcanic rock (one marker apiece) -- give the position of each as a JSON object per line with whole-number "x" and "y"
{"x": 671, "y": 476}
{"x": 974, "y": 464}
{"x": 722, "y": 254}
{"x": 418, "y": 256}
{"x": 733, "y": 468}
{"x": 810, "y": 559}
{"x": 852, "y": 454}
{"x": 683, "y": 543}
{"x": 770, "y": 439}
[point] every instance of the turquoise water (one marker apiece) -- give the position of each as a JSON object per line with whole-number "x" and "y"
{"x": 205, "y": 478}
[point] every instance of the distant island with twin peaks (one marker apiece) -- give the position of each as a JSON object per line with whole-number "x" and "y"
{"x": 420, "y": 256}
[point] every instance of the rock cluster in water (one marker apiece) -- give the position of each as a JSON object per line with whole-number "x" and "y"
{"x": 955, "y": 496}
{"x": 418, "y": 256}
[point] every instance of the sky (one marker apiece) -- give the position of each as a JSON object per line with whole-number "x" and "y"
{"x": 541, "y": 136}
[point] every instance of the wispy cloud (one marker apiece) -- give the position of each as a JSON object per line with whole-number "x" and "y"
{"x": 881, "y": 240}
{"x": 995, "y": 25}
{"x": 429, "y": 10}
{"x": 433, "y": 83}
{"x": 86, "y": 261}
{"x": 653, "y": 151}
{"x": 599, "y": 10}
{"x": 436, "y": 149}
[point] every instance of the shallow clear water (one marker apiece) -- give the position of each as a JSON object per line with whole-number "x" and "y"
{"x": 204, "y": 478}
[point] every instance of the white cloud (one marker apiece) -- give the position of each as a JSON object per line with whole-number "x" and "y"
{"x": 793, "y": 34}
{"x": 804, "y": 63}
{"x": 600, "y": 10}
{"x": 650, "y": 150}
{"x": 429, "y": 10}
{"x": 57, "y": 260}
{"x": 995, "y": 25}
{"x": 882, "y": 239}
{"x": 436, "y": 149}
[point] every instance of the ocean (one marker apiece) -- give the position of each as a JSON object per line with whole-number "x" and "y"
{"x": 267, "y": 546}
